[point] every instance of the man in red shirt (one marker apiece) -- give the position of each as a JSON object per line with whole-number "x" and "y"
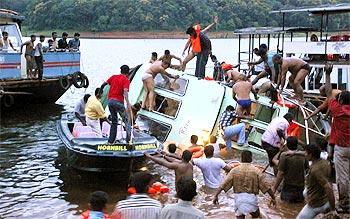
{"x": 119, "y": 89}
{"x": 340, "y": 139}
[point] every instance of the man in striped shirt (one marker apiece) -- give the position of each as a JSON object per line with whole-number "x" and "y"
{"x": 139, "y": 205}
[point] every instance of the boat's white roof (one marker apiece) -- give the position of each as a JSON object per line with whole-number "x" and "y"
{"x": 322, "y": 9}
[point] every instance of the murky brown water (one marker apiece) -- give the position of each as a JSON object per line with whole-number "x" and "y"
{"x": 34, "y": 179}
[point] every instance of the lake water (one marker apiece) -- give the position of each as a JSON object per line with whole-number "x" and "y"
{"x": 34, "y": 179}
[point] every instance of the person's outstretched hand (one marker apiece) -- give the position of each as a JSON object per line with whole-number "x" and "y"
{"x": 216, "y": 19}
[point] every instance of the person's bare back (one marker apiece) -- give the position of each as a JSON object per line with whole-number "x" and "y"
{"x": 155, "y": 68}
{"x": 29, "y": 47}
{"x": 242, "y": 89}
{"x": 293, "y": 64}
{"x": 183, "y": 169}
{"x": 233, "y": 75}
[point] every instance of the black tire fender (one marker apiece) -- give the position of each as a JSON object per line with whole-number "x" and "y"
{"x": 64, "y": 82}
{"x": 86, "y": 82}
{"x": 78, "y": 79}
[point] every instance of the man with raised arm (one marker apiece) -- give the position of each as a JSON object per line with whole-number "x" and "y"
{"x": 182, "y": 168}
{"x": 168, "y": 57}
{"x": 326, "y": 87}
{"x": 298, "y": 68}
{"x": 158, "y": 67}
{"x": 201, "y": 47}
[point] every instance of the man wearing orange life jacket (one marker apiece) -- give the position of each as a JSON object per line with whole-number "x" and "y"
{"x": 97, "y": 205}
{"x": 201, "y": 47}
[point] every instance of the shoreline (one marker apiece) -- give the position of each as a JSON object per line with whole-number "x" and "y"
{"x": 131, "y": 34}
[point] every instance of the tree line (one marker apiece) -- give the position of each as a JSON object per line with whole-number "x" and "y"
{"x": 164, "y": 15}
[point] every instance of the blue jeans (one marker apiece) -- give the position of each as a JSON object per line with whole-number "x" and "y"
{"x": 116, "y": 107}
{"x": 308, "y": 212}
{"x": 230, "y": 131}
{"x": 202, "y": 59}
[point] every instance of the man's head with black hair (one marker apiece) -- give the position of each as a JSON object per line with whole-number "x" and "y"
{"x": 292, "y": 143}
{"x": 230, "y": 108}
{"x": 141, "y": 181}
{"x": 167, "y": 52}
{"x": 124, "y": 69}
{"x": 246, "y": 156}
{"x": 194, "y": 139}
{"x": 98, "y": 201}
{"x": 209, "y": 151}
{"x": 172, "y": 148}
{"x": 186, "y": 156}
{"x": 86, "y": 97}
{"x": 313, "y": 152}
{"x": 186, "y": 189}
{"x": 98, "y": 92}
{"x": 289, "y": 117}
{"x": 191, "y": 31}
{"x": 343, "y": 97}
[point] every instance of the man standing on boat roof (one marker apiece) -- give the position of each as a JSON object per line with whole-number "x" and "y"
{"x": 274, "y": 136}
{"x": 29, "y": 55}
{"x": 201, "y": 47}
{"x": 54, "y": 40}
{"x": 74, "y": 43}
{"x": 148, "y": 82}
{"x": 62, "y": 43}
{"x": 298, "y": 68}
{"x": 168, "y": 57}
{"x": 118, "y": 92}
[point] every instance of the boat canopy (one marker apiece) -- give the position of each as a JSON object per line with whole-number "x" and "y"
{"x": 272, "y": 30}
{"x": 10, "y": 15}
{"x": 320, "y": 10}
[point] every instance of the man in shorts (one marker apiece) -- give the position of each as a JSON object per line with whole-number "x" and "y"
{"x": 29, "y": 55}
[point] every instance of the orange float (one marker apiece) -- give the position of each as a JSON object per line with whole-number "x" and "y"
{"x": 293, "y": 129}
{"x": 287, "y": 104}
{"x": 156, "y": 188}
{"x": 197, "y": 151}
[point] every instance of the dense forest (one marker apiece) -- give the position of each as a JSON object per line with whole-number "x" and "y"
{"x": 162, "y": 15}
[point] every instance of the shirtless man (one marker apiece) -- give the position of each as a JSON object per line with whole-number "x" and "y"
{"x": 241, "y": 94}
{"x": 168, "y": 57}
{"x": 233, "y": 75}
{"x": 182, "y": 168}
{"x": 323, "y": 91}
{"x": 153, "y": 57}
{"x": 29, "y": 55}
{"x": 7, "y": 42}
{"x": 148, "y": 82}
{"x": 298, "y": 68}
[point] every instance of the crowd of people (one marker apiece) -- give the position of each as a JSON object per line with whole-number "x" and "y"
{"x": 34, "y": 51}
{"x": 301, "y": 175}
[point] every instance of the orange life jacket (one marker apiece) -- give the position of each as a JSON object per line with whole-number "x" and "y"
{"x": 195, "y": 41}
{"x": 86, "y": 215}
{"x": 293, "y": 129}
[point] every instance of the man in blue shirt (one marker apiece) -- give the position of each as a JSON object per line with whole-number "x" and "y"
{"x": 74, "y": 44}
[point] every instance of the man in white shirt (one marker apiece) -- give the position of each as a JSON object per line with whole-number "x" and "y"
{"x": 186, "y": 191}
{"x": 211, "y": 167}
{"x": 79, "y": 109}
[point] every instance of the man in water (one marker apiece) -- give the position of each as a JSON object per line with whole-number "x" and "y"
{"x": 148, "y": 82}
{"x": 274, "y": 136}
{"x": 246, "y": 181}
{"x": 182, "y": 168}
{"x": 298, "y": 68}
{"x": 201, "y": 47}
{"x": 326, "y": 87}
{"x": 319, "y": 192}
{"x": 168, "y": 57}
{"x": 211, "y": 168}
{"x": 29, "y": 55}
{"x": 291, "y": 169}
{"x": 241, "y": 94}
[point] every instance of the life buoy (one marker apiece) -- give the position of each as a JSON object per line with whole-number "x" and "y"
{"x": 293, "y": 129}
{"x": 197, "y": 151}
{"x": 64, "y": 82}
{"x": 287, "y": 104}
{"x": 195, "y": 41}
{"x": 78, "y": 79}
{"x": 9, "y": 100}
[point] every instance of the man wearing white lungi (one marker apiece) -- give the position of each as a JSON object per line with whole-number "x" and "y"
{"x": 94, "y": 112}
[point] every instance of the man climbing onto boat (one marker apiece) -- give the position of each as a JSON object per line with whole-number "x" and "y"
{"x": 29, "y": 55}
{"x": 298, "y": 68}
{"x": 118, "y": 92}
{"x": 154, "y": 57}
{"x": 241, "y": 94}
{"x": 201, "y": 47}
{"x": 167, "y": 57}
{"x": 246, "y": 182}
{"x": 79, "y": 109}
{"x": 326, "y": 87}
{"x": 94, "y": 112}
{"x": 182, "y": 168}
{"x": 148, "y": 82}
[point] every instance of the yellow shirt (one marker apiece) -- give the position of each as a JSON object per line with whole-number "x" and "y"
{"x": 94, "y": 109}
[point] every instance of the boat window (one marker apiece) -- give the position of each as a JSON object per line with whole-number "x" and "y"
{"x": 154, "y": 128}
{"x": 14, "y": 35}
{"x": 166, "y": 106}
{"x": 177, "y": 86}
{"x": 315, "y": 78}
{"x": 264, "y": 113}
